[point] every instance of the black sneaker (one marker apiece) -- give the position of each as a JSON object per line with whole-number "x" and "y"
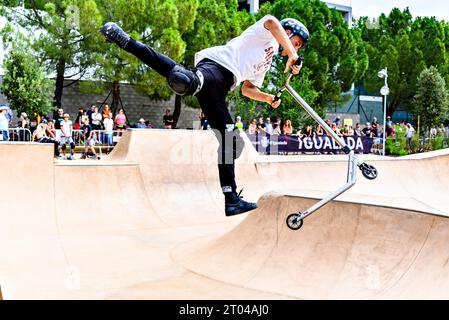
{"x": 114, "y": 33}
{"x": 241, "y": 206}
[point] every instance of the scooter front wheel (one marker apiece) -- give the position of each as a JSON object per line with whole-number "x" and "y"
{"x": 368, "y": 171}
{"x": 294, "y": 222}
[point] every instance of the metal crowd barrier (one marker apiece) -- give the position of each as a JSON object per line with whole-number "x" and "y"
{"x": 19, "y": 134}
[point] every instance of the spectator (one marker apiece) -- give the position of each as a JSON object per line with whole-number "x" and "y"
{"x": 328, "y": 122}
{"x": 252, "y": 128}
{"x": 335, "y": 129}
{"x": 78, "y": 124}
{"x": 389, "y": 122}
{"x": 58, "y": 119}
{"x": 375, "y": 126}
{"x": 50, "y": 130}
{"x": 109, "y": 131}
{"x": 277, "y": 127}
{"x": 288, "y": 128}
{"x": 239, "y": 123}
{"x": 351, "y": 131}
{"x": 337, "y": 121}
{"x": 97, "y": 124}
{"x": 358, "y": 130}
{"x": 90, "y": 112}
{"x": 168, "y": 119}
{"x": 24, "y": 123}
{"x": 367, "y": 130}
{"x": 89, "y": 140}
{"x": 141, "y": 124}
{"x": 120, "y": 121}
{"x": 433, "y": 132}
{"x": 149, "y": 124}
{"x": 260, "y": 121}
{"x": 9, "y": 114}
{"x": 4, "y": 124}
{"x": 344, "y": 131}
{"x": 390, "y": 130}
{"x": 203, "y": 121}
{"x": 309, "y": 131}
{"x": 268, "y": 126}
{"x": 40, "y": 135}
{"x": 409, "y": 135}
{"x": 66, "y": 136}
{"x": 261, "y": 127}
{"x": 106, "y": 111}
{"x": 319, "y": 130}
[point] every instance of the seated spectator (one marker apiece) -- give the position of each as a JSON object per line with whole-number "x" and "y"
{"x": 149, "y": 124}
{"x": 50, "y": 130}
{"x": 252, "y": 128}
{"x": 268, "y": 126}
{"x": 344, "y": 131}
{"x": 288, "y": 128}
{"x": 141, "y": 124}
{"x": 239, "y": 123}
{"x": 39, "y": 135}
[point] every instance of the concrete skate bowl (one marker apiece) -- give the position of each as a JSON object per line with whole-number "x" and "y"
{"x": 344, "y": 251}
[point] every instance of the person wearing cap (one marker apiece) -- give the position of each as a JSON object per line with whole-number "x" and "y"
{"x": 4, "y": 125}
{"x": 141, "y": 124}
{"x": 66, "y": 135}
{"x": 239, "y": 123}
{"x": 367, "y": 132}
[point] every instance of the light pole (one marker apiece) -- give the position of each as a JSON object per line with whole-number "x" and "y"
{"x": 383, "y": 74}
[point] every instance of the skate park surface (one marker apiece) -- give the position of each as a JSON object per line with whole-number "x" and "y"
{"x": 148, "y": 222}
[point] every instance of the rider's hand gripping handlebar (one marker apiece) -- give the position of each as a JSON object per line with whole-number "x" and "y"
{"x": 279, "y": 92}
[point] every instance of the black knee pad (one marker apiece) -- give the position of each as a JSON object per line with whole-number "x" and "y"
{"x": 184, "y": 82}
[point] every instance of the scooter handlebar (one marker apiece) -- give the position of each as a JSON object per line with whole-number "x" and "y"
{"x": 279, "y": 93}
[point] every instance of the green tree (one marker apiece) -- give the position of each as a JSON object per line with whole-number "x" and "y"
{"x": 25, "y": 84}
{"x": 431, "y": 99}
{"x": 63, "y": 34}
{"x": 406, "y": 47}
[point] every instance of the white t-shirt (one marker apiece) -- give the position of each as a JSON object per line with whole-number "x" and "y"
{"x": 108, "y": 125}
{"x": 409, "y": 132}
{"x": 3, "y": 122}
{"x": 248, "y": 56}
{"x": 66, "y": 125}
{"x": 96, "y": 118}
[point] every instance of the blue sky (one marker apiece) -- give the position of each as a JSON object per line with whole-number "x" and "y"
{"x": 373, "y": 8}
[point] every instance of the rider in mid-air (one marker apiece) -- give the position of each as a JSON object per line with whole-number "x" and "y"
{"x": 219, "y": 70}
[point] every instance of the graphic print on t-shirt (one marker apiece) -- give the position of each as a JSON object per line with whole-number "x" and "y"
{"x": 265, "y": 65}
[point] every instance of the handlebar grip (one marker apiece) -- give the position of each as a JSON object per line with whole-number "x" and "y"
{"x": 277, "y": 97}
{"x": 299, "y": 60}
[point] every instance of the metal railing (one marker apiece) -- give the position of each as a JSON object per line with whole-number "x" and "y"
{"x": 19, "y": 134}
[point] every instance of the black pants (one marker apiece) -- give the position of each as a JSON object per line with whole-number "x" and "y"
{"x": 212, "y": 99}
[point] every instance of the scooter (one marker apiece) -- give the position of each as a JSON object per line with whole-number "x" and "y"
{"x": 295, "y": 221}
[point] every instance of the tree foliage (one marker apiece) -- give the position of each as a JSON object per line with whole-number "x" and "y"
{"x": 25, "y": 84}
{"x": 406, "y": 46}
{"x": 431, "y": 99}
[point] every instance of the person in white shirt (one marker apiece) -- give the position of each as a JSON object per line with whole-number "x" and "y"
{"x": 97, "y": 118}
{"x": 244, "y": 59}
{"x": 66, "y": 136}
{"x": 109, "y": 129}
{"x": 409, "y": 135}
{"x": 4, "y": 125}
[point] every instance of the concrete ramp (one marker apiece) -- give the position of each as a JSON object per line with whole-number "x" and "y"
{"x": 147, "y": 222}
{"x": 344, "y": 251}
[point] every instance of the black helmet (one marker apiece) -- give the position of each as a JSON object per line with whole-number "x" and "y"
{"x": 297, "y": 28}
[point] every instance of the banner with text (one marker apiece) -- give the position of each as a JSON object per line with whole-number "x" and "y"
{"x": 273, "y": 144}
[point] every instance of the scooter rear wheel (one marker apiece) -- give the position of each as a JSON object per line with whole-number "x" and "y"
{"x": 293, "y": 221}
